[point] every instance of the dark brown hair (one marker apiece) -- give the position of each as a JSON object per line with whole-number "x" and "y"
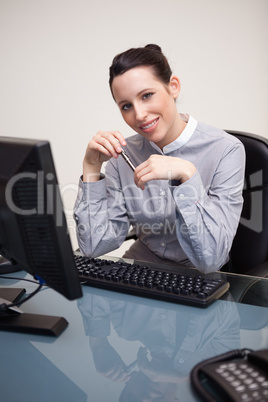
{"x": 151, "y": 55}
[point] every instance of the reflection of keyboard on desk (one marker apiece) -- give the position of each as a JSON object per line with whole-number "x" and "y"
{"x": 173, "y": 284}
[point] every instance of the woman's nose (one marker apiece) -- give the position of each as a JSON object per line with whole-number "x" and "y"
{"x": 140, "y": 113}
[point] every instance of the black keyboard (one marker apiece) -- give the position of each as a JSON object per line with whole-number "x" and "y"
{"x": 178, "y": 285}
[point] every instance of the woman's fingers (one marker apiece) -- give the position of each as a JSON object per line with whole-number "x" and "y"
{"x": 103, "y": 146}
{"x": 159, "y": 167}
{"x": 142, "y": 174}
{"x": 111, "y": 141}
{"x": 149, "y": 170}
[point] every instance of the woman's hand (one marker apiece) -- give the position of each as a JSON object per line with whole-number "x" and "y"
{"x": 103, "y": 146}
{"x": 161, "y": 167}
{"x": 107, "y": 361}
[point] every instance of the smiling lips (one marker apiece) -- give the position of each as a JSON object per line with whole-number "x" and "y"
{"x": 149, "y": 126}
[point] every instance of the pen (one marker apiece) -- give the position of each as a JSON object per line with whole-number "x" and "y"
{"x": 131, "y": 367}
{"x": 125, "y": 156}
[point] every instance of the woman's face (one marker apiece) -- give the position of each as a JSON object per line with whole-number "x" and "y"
{"x": 147, "y": 104}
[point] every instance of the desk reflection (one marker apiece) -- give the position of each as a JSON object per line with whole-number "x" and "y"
{"x": 174, "y": 338}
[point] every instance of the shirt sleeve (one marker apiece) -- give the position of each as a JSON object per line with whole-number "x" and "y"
{"x": 101, "y": 219}
{"x": 95, "y": 311}
{"x": 207, "y": 219}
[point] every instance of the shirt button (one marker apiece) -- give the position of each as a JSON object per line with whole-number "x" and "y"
{"x": 162, "y": 192}
{"x": 181, "y": 196}
{"x": 163, "y": 244}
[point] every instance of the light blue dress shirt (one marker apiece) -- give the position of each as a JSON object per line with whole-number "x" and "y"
{"x": 192, "y": 222}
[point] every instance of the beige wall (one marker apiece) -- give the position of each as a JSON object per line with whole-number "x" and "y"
{"x": 55, "y": 56}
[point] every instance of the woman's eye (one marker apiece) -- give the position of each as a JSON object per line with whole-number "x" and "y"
{"x": 146, "y": 96}
{"x": 126, "y": 107}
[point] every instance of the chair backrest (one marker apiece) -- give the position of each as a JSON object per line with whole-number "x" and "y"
{"x": 250, "y": 245}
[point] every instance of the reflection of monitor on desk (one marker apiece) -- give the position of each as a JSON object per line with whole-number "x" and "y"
{"x": 33, "y": 230}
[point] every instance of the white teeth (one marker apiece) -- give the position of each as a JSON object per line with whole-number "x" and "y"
{"x": 149, "y": 125}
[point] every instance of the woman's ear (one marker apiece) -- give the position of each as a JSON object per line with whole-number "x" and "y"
{"x": 175, "y": 86}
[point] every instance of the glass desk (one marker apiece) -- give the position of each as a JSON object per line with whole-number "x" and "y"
{"x": 124, "y": 348}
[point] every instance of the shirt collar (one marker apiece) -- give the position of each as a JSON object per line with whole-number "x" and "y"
{"x": 183, "y": 137}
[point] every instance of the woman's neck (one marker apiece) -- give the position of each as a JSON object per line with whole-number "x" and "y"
{"x": 175, "y": 131}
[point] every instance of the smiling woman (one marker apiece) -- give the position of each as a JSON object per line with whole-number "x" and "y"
{"x": 147, "y": 104}
{"x": 186, "y": 173}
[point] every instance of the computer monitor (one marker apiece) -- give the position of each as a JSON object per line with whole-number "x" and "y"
{"x": 33, "y": 229}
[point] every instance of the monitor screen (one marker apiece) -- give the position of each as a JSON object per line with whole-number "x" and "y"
{"x": 33, "y": 228}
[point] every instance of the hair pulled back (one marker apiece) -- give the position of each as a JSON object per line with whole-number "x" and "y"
{"x": 151, "y": 55}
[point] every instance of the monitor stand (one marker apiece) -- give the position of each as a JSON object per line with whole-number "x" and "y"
{"x": 11, "y": 320}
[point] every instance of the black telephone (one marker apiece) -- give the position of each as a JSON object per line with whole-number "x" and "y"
{"x": 238, "y": 375}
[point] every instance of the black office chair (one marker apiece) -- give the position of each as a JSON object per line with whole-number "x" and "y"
{"x": 249, "y": 252}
